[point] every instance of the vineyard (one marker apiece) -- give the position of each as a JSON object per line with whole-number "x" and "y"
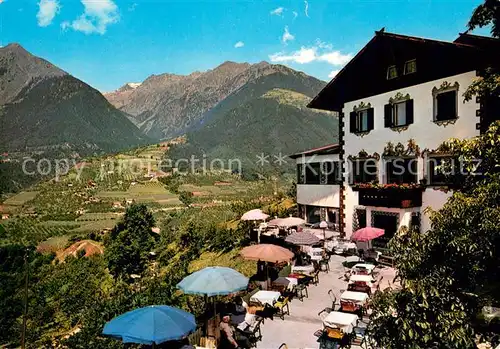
{"x": 99, "y": 216}
{"x": 21, "y": 198}
{"x": 25, "y": 229}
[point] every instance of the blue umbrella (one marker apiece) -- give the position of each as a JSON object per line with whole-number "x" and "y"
{"x": 213, "y": 281}
{"x": 151, "y": 325}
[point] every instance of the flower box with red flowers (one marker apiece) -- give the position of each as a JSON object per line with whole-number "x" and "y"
{"x": 392, "y": 195}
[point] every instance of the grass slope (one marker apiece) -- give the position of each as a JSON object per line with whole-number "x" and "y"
{"x": 277, "y": 122}
{"x": 65, "y": 110}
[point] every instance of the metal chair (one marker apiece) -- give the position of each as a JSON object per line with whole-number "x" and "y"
{"x": 301, "y": 292}
{"x": 282, "y": 308}
{"x": 333, "y": 298}
{"x": 324, "y": 313}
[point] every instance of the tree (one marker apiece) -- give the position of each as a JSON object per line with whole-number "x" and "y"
{"x": 130, "y": 242}
{"x": 186, "y": 197}
{"x": 488, "y": 83}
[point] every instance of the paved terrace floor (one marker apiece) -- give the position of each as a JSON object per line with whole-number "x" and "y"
{"x": 297, "y": 330}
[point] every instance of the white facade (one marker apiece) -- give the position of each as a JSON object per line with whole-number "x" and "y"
{"x": 424, "y": 131}
{"x": 318, "y": 195}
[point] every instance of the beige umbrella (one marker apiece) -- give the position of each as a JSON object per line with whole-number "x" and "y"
{"x": 287, "y": 222}
{"x": 254, "y": 215}
{"x": 267, "y": 253}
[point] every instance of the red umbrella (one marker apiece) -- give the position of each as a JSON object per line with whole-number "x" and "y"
{"x": 367, "y": 234}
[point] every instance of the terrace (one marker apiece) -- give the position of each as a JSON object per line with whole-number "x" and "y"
{"x": 297, "y": 330}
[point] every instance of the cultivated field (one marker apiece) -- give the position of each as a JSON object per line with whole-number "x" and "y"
{"x": 21, "y": 198}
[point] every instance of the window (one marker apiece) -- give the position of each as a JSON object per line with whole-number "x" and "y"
{"x": 300, "y": 174}
{"x": 361, "y": 120}
{"x": 332, "y": 215}
{"x": 392, "y": 72}
{"x": 441, "y": 170}
{"x": 313, "y": 173}
{"x": 398, "y": 114}
{"x": 410, "y": 67}
{"x": 313, "y": 214}
{"x": 364, "y": 171}
{"x": 332, "y": 172}
{"x": 401, "y": 170}
{"x": 445, "y": 106}
{"x": 415, "y": 221}
{"x": 361, "y": 218}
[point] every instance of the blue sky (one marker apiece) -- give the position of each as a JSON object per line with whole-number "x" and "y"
{"x": 109, "y": 42}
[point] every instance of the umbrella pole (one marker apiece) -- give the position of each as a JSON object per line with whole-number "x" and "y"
{"x": 206, "y": 316}
{"x": 267, "y": 275}
{"x": 215, "y": 307}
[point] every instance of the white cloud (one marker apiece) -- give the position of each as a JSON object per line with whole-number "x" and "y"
{"x": 302, "y": 56}
{"x": 96, "y": 17}
{"x": 320, "y": 52}
{"x": 287, "y": 36}
{"x": 239, "y": 44}
{"x": 47, "y": 10}
{"x": 295, "y": 14}
{"x": 333, "y": 73}
{"x": 278, "y": 11}
{"x": 306, "y": 9}
{"x": 335, "y": 58}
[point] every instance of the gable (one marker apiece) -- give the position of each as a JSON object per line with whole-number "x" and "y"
{"x": 366, "y": 74}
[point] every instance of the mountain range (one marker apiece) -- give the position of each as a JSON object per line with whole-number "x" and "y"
{"x": 235, "y": 110}
{"x": 42, "y": 105}
{"x": 168, "y": 105}
{"x": 260, "y": 132}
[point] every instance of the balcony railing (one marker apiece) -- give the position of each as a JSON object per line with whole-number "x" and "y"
{"x": 390, "y": 197}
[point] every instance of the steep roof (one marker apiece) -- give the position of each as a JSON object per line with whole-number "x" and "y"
{"x": 326, "y": 149}
{"x": 366, "y": 74}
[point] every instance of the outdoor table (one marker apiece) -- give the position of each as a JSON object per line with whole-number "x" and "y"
{"x": 345, "y": 246}
{"x": 265, "y": 297}
{"x": 248, "y": 321}
{"x": 367, "y": 279}
{"x": 352, "y": 259}
{"x": 359, "y": 298}
{"x": 343, "y": 321}
{"x": 316, "y": 254}
{"x": 368, "y": 267}
{"x": 303, "y": 269}
{"x": 289, "y": 282}
{"x": 331, "y": 245}
{"x": 237, "y": 319}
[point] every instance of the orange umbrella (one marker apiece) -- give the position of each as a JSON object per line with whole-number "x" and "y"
{"x": 267, "y": 253}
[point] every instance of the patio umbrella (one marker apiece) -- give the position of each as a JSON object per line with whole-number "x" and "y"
{"x": 267, "y": 253}
{"x": 213, "y": 281}
{"x": 287, "y": 222}
{"x": 367, "y": 234}
{"x": 302, "y": 238}
{"x": 151, "y": 325}
{"x": 254, "y": 215}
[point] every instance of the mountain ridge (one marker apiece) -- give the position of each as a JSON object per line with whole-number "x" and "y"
{"x": 41, "y": 104}
{"x": 168, "y": 105}
{"x": 273, "y": 124}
